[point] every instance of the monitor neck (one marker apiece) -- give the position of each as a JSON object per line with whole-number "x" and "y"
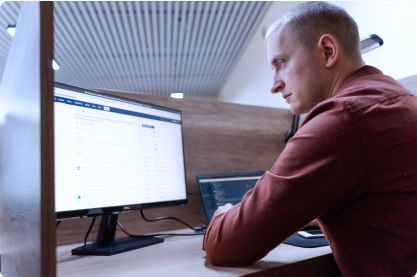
{"x": 107, "y": 230}
{"x": 106, "y": 244}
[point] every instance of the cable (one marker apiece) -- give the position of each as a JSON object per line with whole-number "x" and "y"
{"x": 173, "y": 218}
{"x": 57, "y": 223}
{"x": 89, "y": 230}
{"x": 294, "y": 119}
{"x": 294, "y": 128}
{"x": 296, "y": 124}
{"x": 159, "y": 234}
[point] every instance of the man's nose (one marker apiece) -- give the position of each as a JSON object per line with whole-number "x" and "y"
{"x": 277, "y": 86}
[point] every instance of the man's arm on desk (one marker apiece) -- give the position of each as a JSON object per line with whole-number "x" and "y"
{"x": 228, "y": 206}
{"x": 321, "y": 167}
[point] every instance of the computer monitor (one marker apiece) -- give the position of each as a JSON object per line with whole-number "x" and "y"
{"x": 114, "y": 154}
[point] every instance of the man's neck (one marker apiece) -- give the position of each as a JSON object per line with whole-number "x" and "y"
{"x": 341, "y": 75}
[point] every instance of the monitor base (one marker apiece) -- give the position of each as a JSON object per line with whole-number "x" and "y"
{"x": 116, "y": 246}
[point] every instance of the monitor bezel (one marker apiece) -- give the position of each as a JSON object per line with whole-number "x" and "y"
{"x": 127, "y": 207}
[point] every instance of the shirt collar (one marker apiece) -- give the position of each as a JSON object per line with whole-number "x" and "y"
{"x": 361, "y": 72}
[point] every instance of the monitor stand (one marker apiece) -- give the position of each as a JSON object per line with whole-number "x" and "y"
{"x": 107, "y": 245}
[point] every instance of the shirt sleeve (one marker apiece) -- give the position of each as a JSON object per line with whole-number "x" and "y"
{"x": 321, "y": 166}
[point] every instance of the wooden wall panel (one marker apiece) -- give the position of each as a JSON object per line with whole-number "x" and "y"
{"x": 218, "y": 138}
{"x": 27, "y": 234}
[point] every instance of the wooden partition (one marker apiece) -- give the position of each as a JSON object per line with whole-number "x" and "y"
{"x": 218, "y": 138}
{"x": 27, "y": 214}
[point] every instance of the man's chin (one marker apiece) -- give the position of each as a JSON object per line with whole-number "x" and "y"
{"x": 297, "y": 110}
{"x": 294, "y": 110}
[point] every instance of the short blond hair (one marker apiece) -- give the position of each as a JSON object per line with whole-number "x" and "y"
{"x": 309, "y": 21}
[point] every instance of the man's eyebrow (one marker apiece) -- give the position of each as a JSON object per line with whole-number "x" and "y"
{"x": 275, "y": 59}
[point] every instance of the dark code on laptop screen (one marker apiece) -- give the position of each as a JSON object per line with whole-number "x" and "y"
{"x": 219, "y": 193}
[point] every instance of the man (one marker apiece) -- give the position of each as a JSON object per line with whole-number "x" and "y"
{"x": 352, "y": 164}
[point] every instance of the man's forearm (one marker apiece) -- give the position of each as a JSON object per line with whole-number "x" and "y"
{"x": 252, "y": 228}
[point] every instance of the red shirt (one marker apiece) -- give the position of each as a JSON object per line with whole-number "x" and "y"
{"x": 352, "y": 165}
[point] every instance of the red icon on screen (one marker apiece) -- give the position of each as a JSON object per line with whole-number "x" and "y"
{"x": 78, "y": 168}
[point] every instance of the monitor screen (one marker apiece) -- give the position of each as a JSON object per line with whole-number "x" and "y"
{"x": 114, "y": 154}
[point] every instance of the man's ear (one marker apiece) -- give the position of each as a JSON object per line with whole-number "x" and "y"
{"x": 330, "y": 49}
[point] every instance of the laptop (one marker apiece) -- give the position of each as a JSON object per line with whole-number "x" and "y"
{"x": 219, "y": 189}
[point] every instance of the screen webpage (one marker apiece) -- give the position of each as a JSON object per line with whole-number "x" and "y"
{"x": 111, "y": 152}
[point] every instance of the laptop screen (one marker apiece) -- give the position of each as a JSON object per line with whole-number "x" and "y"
{"x": 220, "y": 189}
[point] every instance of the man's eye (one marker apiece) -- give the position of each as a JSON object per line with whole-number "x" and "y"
{"x": 280, "y": 64}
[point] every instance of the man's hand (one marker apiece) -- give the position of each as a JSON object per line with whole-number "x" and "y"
{"x": 222, "y": 209}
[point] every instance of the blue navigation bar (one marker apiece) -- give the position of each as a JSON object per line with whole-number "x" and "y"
{"x": 88, "y": 105}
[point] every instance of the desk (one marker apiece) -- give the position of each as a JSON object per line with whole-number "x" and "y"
{"x": 183, "y": 256}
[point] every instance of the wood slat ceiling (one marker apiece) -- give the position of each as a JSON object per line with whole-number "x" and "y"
{"x": 146, "y": 47}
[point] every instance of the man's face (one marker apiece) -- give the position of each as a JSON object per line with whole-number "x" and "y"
{"x": 298, "y": 73}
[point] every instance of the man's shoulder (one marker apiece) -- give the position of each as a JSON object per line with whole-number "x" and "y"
{"x": 370, "y": 90}
{"x": 361, "y": 93}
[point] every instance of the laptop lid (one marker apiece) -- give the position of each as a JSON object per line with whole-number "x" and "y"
{"x": 220, "y": 189}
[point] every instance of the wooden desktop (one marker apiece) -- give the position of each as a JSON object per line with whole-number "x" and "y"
{"x": 183, "y": 256}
